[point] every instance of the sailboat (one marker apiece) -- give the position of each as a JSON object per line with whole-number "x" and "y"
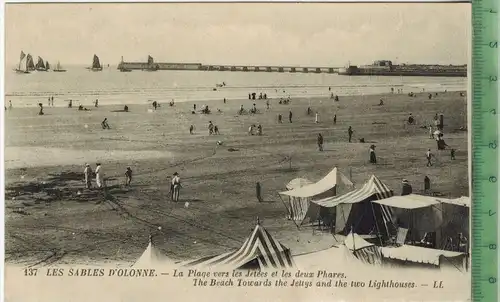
{"x": 18, "y": 69}
{"x": 96, "y": 65}
{"x": 59, "y": 68}
{"x": 40, "y": 65}
{"x": 47, "y": 66}
{"x": 30, "y": 66}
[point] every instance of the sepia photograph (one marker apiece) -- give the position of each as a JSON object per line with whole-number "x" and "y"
{"x": 221, "y": 142}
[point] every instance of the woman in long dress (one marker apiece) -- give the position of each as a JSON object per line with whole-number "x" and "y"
{"x": 373, "y": 157}
{"x": 98, "y": 175}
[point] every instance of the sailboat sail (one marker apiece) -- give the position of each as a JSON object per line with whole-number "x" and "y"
{"x": 29, "y": 63}
{"x": 23, "y": 55}
{"x": 59, "y": 68}
{"x": 96, "y": 64}
{"x": 47, "y": 66}
{"x": 40, "y": 64}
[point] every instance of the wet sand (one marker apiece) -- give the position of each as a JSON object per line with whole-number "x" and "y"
{"x": 51, "y": 218}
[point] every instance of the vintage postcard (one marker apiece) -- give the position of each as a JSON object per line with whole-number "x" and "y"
{"x": 237, "y": 152}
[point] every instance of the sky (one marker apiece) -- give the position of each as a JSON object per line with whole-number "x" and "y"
{"x": 305, "y": 34}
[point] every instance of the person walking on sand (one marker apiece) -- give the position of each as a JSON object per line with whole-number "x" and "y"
{"x": 267, "y": 105}
{"x": 320, "y": 142}
{"x": 194, "y": 107}
{"x": 216, "y": 130}
{"x": 350, "y": 132}
{"x": 96, "y": 103}
{"x": 210, "y": 128}
{"x": 259, "y": 129}
{"x": 250, "y": 130}
{"x": 316, "y": 118}
{"x": 10, "y": 105}
{"x": 431, "y": 134}
{"x": 176, "y": 187}
{"x": 429, "y": 155}
{"x": 452, "y": 153}
{"x": 335, "y": 119}
{"x": 373, "y": 157}
{"x": 191, "y": 129}
{"x": 48, "y": 102}
{"x": 87, "y": 172}
{"x": 280, "y": 119}
{"x": 290, "y": 115}
{"x": 52, "y": 100}
{"x": 258, "y": 191}
{"x": 99, "y": 175}
{"x": 128, "y": 176}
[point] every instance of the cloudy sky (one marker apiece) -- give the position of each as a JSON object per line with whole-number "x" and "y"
{"x": 288, "y": 33}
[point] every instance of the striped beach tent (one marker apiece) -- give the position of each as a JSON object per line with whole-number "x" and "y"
{"x": 260, "y": 251}
{"x": 364, "y": 251}
{"x": 355, "y": 208}
{"x": 300, "y": 192}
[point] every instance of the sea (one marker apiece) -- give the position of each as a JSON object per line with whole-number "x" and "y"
{"x": 111, "y": 86}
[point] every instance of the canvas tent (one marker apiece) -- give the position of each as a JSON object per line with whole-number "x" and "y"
{"x": 424, "y": 214}
{"x": 363, "y": 250}
{"x": 354, "y": 209}
{"x": 408, "y": 254}
{"x": 153, "y": 257}
{"x": 300, "y": 196}
{"x": 260, "y": 251}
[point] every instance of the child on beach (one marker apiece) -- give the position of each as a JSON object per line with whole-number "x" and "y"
{"x": 216, "y": 129}
{"x": 105, "y": 124}
{"x": 128, "y": 176}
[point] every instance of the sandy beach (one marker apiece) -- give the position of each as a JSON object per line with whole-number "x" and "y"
{"x": 51, "y": 218}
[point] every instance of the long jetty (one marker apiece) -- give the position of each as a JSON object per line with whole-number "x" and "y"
{"x": 235, "y": 68}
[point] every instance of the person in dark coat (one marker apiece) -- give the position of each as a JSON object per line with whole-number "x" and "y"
{"x": 335, "y": 119}
{"x": 406, "y": 188}
{"x": 320, "y": 142}
{"x": 373, "y": 157}
{"x": 290, "y": 114}
{"x": 350, "y": 132}
{"x": 452, "y": 153}
{"x": 258, "y": 191}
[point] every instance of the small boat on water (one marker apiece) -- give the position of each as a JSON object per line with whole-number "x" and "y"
{"x": 18, "y": 69}
{"x": 96, "y": 64}
{"x": 123, "y": 69}
{"x": 47, "y": 65}
{"x": 40, "y": 65}
{"x": 30, "y": 65}
{"x": 59, "y": 68}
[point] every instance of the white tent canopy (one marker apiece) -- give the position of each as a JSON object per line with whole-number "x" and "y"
{"x": 326, "y": 183}
{"x": 298, "y": 183}
{"x": 153, "y": 257}
{"x": 415, "y": 201}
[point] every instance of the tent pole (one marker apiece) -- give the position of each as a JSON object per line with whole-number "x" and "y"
{"x": 376, "y": 224}
{"x": 289, "y": 212}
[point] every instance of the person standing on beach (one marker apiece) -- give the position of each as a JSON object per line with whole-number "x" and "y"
{"x": 128, "y": 176}
{"x": 48, "y": 102}
{"x": 320, "y": 142}
{"x": 429, "y": 155}
{"x": 52, "y": 99}
{"x": 194, "y": 107}
{"x": 373, "y": 157}
{"x": 176, "y": 187}
{"x": 259, "y": 129}
{"x": 88, "y": 176}
{"x": 10, "y": 105}
{"x": 280, "y": 119}
{"x": 96, "y": 103}
{"x": 191, "y": 128}
{"x": 431, "y": 135}
{"x": 350, "y": 132}
{"x": 335, "y": 119}
{"x": 267, "y": 105}
{"x": 316, "y": 119}
{"x": 452, "y": 153}
{"x": 290, "y": 114}
{"x": 98, "y": 175}
{"x": 210, "y": 128}
{"x": 216, "y": 130}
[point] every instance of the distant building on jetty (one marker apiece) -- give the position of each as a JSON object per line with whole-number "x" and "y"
{"x": 379, "y": 68}
{"x": 386, "y": 68}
